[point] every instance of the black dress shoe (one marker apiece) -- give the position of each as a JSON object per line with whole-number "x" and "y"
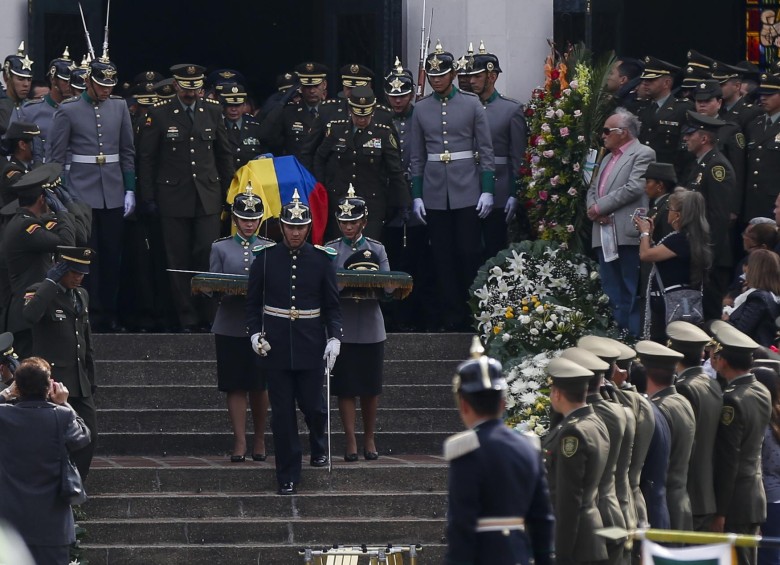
{"x": 370, "y": 455}
{"x": 237, "y": 458}
{"x": 350, "y": 457}
{"x": 286, "y": 489}
{"x": 319, "y": 461}
{"x": 259, "y": 457}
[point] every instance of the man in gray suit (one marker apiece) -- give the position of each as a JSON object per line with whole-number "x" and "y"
{"x": 614, "y": 195}
{"x": 450, "y": 189}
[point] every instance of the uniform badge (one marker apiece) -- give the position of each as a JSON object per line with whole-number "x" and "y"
{"x": 393, "y": 142}
{"x": 297, "y": 127}
{"x": 698, "y": 179}
{"x": 148, "y": 121}
{"x": 569, "y": 446}
{"x": 741, "y": 140}
{"x": 12, "y": 173}
{"x": 727, "y": 415}
{"x": 28, "y": 296}
{"x": 251, "y": 141}
{"x": 172, "y": 133}
{"x": 31, "y": 228}
{"x": 354, "y": 69}
{"x": 719, "y": 173}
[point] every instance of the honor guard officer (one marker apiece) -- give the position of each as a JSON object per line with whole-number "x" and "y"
{"x": 17, "y": 75}
{"x": 499, "y": 504}
{"x": 78, "y": 76}
{"x": 242, "y": 128}
{"x": 713, "y": 177}
{"x": 40, "y": 224}
{"x": 185, "y": 166}
{"x": 93, "y": 131}
{"x": 509, "y": 133}
{"x": 736, "y": 108}
{"x": 464, "y": 63}
{"x": 294, "y": 319}
{"x": 663, "y": 119}
{"x": 57, "y": 308}
{"x": 575, "y": 456}
{"x": 450, "y": 190}
{"x": 762, "y": 182}
{"x": 740, "y": 499}
{"x": 360, "y": 151}
{"x": 704, "y": 394}
{"x": 660, "y": 363}
{"x": 286, "y": 129}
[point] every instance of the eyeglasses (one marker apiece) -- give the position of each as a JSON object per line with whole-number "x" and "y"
{"x": 674, "y": 210}
{"x": 607, "y": 131}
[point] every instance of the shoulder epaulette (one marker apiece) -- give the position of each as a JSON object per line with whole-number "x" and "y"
{"x": 33, "y": 101}
{"x": 334, "y": 122}
{"x": 333, "y": 242}
{"x": 469, "y": 93}
{"x": 69, "y": 100}
{"x": 329, "y": 101}
{"x": 460, "y": 444}
{"x": 383, "y": 107}
{"x": 373, "y": 240}
{"x": 508, "y": 98}
{"x": 223, "y": 238}
{"x": 262, "y": 246}
{"x": 162, "y": 102}
{"x": 115, "y": 97}
{"x": 332, "y": 253}
{"x": 211, "y": 101}
{"x": 385, "y": 126}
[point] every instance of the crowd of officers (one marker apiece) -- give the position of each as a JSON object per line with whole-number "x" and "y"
{"x": 642, "y": 437}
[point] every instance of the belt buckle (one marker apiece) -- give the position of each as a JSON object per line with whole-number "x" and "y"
{"x": 294, "y": 314}
{"x": 100, "y": 159}
{"x": 445, "y": 157}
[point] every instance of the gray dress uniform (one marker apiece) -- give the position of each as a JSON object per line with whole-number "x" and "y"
{"x": 645, "y": 424}
{"x": 682, "y": 424}
{"x": 41, "y": 113}
{"x": 705, "y": 397}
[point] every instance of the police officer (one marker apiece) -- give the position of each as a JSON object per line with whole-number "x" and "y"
{"x": 509, "y": 133}
{"x": 736, "y": 108}
{"x": 358, "y": 150}
{"x": 57, "y": 308}
{"x": 242, "y": 128}
{"x": 293, "y": 316}
{"x": 185, "y": 166}
{"x": 93, "y": 131}
{"x": 762, "y": 134}
{"x": 660, "y": 363}
{"x": 663, "y": 119}
{"x": 17, "y": 75}
{"x": 499, "y": 502}
{"x": 704, "y": 394}
{"x": 575, "y": 456}
{"x": 450, "y": 190}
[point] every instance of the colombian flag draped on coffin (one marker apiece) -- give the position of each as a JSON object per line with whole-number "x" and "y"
{"x": 274, "y": 181}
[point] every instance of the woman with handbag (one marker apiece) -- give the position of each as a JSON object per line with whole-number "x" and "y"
{"x": 680, "y": 263}
{"x": 754, "y": 311}
{"x": 37, "y": 480}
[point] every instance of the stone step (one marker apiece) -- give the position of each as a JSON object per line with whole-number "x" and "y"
{"x": 204, "y": 372}
{"x": 201, "y": 396}
{"x": 367, "y": 505}
{"x": 216, "y": 419}
{"x": 201, "y": 346}
{"x": 211, "y": 443}
{"x": 199, "y": 475}
{"x": 215, "y": 554}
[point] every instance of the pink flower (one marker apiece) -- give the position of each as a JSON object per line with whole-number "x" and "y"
{"x": 548, "y": 153}
{"x": 572, "y": 191}
{"x": 577, "y": 113}
{"x": 570, "y": 228}
{"x": 540, "y": 141}
{"x": 535, "y": 159}
{"x": 574, "y": 84}
{"x": 543, "y": 194}
{"x": 554, "y": 181}
{"x": 559, "y": 113}
{"x": 564, "y": 132}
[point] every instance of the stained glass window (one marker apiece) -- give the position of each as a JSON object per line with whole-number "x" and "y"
{"x": 762, "y": 23}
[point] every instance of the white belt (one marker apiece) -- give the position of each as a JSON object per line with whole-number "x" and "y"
{"x": 503, "y": 524}
{"x": 446, "y": 157}
{"x": 501, "y": 160}
{"x": 293, "y": 313}
{"x": 96, "y": 159}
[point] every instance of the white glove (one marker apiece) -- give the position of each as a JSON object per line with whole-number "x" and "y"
{"x": 129, "y": 203}
{"x": 332, "y": 349}
{"x": 511, "y": 208}
{"x": 260, "y": 345}
{"x": 418, "y": 209}
{"x": 485, "y": 205}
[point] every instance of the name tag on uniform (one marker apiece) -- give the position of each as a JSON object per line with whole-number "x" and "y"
{"x": 207, "y": 129}
{"x": 668, "y": 123}
{"x": 374, "y": 142}
{"x": 172, "y": 133}
{"x": 251, "y": 141}
{"x": 59, "y": 315}
{"x": 297, "y": 127}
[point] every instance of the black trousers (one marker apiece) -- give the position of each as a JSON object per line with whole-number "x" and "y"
{"x": 85, "y": 407}
{"x": 285, "y": 389}
{"x": 104, "y": 272}
{"x": 494, "y": 232}
{"x": 456, "y": 242}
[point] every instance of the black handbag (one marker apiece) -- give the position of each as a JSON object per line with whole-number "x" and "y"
{"x": 683, "y": 304}
{"x": 71, "y": 488}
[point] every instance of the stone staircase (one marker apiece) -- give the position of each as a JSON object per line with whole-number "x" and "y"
{"x": 162, "y": 490}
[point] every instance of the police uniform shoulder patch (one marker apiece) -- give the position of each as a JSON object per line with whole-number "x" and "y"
{"x": 740, "y": 140}
{"x": 727, "y": 415}
{"x": 262, "y": 246}
{"x": 332, "y": 253}
{"x": 569, "y": 446}
{"x": 719, "y": 173}
{"x": 460, "y": 444}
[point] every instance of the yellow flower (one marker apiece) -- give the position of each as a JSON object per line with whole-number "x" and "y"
{"x": 496, "y": 330}
{"x": 524, "y": 301}
{"x": 525, "y": 308}
{"x": 509, "y": 313}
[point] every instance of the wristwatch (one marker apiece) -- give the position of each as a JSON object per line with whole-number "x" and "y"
{"x": 644, "y": 234}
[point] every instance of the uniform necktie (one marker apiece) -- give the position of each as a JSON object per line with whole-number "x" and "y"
{"x": 190, "y": 115}
{"x": 768, "y": 123}
{"x": 313, "y": 111}
{"x": 76, "y": 304}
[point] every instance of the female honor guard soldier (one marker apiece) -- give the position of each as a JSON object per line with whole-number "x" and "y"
{"x": 238, "y": 368}
{"x": 358, "y": 371}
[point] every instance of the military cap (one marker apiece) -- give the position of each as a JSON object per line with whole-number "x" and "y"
{"x": 770, "y": 84}
{"x": 77, "y": 258}
{"x": 685, "y": 337}
{"x": 232, "y": 94}
{"x": 189, "y": 76}
{"x": 102, "y": 71}
{"x": 285, "y": 81}
{"x": 363, "y": 260}
{"x": 7, "y": 355}
{"x": 61, "y": 66}
{"x": 310, "y": 73}
{"x": 164, "y": 89}
{"x": 351, "y": 207}
{"x": 656, "y": 68}
{"x": 147, "y": 77}
{"x": 248, "y": 206}
{"x": 362, "y": 101}
{"x": 693, "y": 76}
{"x": 78, "y": 75}
{"x": 296, "y": 213}
{"x": 565, "y": 372}
{"x": 696, "y": 59}
{"x": 660, "y": 171}
{"x": 22, "y": 130}
{"x": 219, "y": 78}
{"x": 749, "y": 71}
{"x": 483, "y": 61}
{"x": 730, "y": 339}
{"x": 466, "y": 61}
{"x": 600, "y": 347}
{"x": 440, "y": 62}
{"x": 773, "y": 364}
{"x": 698, "y": 121}
{"x": 355, "y": 74}
{"x": 707, "y": 90}
{"x": 144, "y": 94}
{"x": 37, "y": 180}
{"x": 585, "y": 358}
{"x": 399, "y": 82}
{"x": 480, "y": 373}
{"x": 723, "y": 72}
{"x": 19, "y": 64}
{"x": 656, "y": 356}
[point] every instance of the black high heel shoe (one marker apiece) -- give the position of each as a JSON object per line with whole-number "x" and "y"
{"x": 237, "y": 458}
{"x": 370, "y": 455}
{"x": 350, "y": 457}
{"x": 259, "y": 457}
